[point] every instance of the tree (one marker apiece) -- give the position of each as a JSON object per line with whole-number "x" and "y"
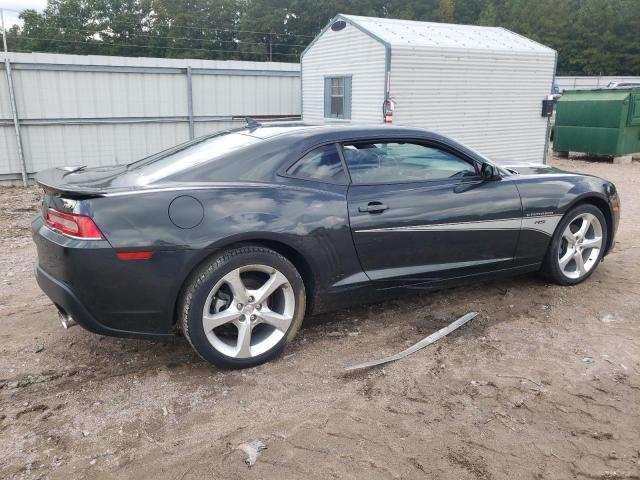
{"x": 446, "y": 10}
{"x": 591, "y": 36}
{"x": 489, "y": 15}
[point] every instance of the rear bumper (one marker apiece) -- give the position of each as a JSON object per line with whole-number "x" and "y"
{"x": 63, "y": 298}
{"x": 104, "y": 294}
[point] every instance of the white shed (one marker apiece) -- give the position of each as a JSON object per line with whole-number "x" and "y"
{"x": 483, "y": 86}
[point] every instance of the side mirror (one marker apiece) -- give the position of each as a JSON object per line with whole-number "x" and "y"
{"x": 489, "y": 172}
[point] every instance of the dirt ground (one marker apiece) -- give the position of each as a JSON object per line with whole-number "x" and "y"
{"x": 544, "y": 383}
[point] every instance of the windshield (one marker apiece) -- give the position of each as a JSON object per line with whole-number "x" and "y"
{"x": 188, "y": 155}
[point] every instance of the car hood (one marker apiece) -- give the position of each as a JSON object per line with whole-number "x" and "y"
{"x": 532, "y": 169}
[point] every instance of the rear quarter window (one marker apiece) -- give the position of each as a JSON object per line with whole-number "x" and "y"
{"x": 322, "y": 165}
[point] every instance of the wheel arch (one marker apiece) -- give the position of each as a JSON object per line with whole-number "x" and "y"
{"x": 601, "y": 204}
{"x": 299, "y": 261}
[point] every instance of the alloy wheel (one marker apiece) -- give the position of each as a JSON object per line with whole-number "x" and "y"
{"x": 580, "y": 246}
{"x": 248, "y": 311}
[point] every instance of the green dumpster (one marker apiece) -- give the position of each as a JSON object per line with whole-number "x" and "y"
{"x": 603, "y": 122}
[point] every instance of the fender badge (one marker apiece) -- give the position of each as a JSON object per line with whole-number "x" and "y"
{"x": 539, "y": 214}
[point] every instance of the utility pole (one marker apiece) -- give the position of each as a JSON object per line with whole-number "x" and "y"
{"x": 4, "y": 37}
{"x": 270, "y": 49}
{"x": 12, "y": 97}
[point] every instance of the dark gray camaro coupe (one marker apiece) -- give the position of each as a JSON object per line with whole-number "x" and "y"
{"x": 232, "y": 238}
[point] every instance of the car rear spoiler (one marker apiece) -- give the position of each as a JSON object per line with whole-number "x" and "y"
{"x": 53, "y": 180}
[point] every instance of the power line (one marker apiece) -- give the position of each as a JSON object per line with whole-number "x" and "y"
{"x": 102, "y": 44}
{"x": 153, "y": 36}
{"x": 202, "y": 29}
{"x": 212, "y": 29}
{"x": 239, "y": 31}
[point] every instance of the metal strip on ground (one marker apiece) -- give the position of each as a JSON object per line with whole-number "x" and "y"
{"x": 421, "y": 344}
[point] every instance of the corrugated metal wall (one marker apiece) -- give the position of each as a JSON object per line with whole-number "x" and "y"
{"x": 347, "y": 52}
{"x": 585, "y": 83}
{"x": 488, "y": 100}
{"x": 95, "y": 110}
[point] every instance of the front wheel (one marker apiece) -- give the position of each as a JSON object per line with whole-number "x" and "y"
{"x": 577, "y": 246}
{"x": 243, "y": 307}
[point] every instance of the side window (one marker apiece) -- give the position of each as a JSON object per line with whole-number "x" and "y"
{"x": 322, "y": 164}
{"x": 337, "y": 97}
{"x": 403, "y": 162}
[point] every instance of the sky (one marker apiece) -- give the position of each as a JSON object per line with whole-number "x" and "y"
{"x": 13, "y": 7}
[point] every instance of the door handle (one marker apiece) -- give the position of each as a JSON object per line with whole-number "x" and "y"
{"x": 373, "y": 207}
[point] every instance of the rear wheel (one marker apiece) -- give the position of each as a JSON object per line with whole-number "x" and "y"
{"x": 577, "y": 246}
{"x": 242, "y": 308}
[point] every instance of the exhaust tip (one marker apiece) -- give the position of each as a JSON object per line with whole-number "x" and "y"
{"x": 66, "y": 320}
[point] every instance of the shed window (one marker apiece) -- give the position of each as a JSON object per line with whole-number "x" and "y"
{"x": 337, "y": 97}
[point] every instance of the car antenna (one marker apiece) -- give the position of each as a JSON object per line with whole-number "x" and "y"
{"x": 252, "y": 124}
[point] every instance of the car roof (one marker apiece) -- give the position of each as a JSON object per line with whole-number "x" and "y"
{"x": 300, "y": 135}
{"x": 335, "y": 131}
{"x": 266, "y": 149}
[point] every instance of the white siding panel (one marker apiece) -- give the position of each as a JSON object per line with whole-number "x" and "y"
{"x": 55, "y": 94}
{"x": 8, "y": 151}
{"x": 94, "y": 145}
{"x": 206, "y": 128}
{"x": 346, "y": 52}
{"x": 5, "y": 105}
{"x": 238, "y": 95}
{"x": 126, "y": 115}
{"x": 487, "y": 100}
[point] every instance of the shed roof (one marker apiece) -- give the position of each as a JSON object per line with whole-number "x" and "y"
{"x": 396, "y": 32}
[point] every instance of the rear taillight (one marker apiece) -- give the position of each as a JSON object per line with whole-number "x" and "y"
{"x": 73, "y": 225}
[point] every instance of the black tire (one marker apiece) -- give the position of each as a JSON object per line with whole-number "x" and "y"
{"x": 550, "y": 266}
{"x": 205, "y": 279}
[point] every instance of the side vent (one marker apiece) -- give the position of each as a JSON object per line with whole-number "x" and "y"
{"x": 338, "y": 25}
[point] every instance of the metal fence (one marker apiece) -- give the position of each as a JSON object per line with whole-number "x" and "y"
{"x": 96, "y": 110}
{"x": 585, "y": 83}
